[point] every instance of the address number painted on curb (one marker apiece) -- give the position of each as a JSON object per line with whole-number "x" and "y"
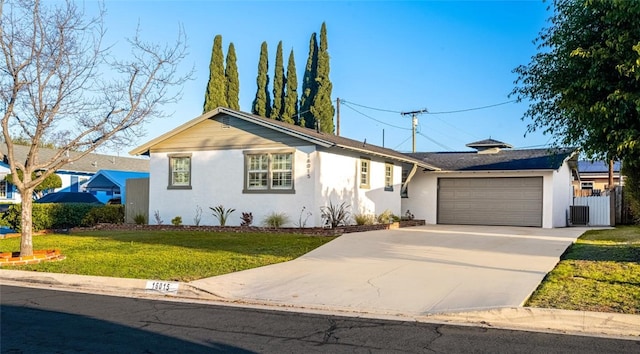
{"x": 162, "y": 286}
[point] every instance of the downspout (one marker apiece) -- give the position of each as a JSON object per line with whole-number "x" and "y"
{"x": 406, "y": 183}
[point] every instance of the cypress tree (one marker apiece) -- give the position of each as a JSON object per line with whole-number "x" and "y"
{"x": 309, "y": 85}
{"x": 322, "y": 107}
{"x": 261, "y": 104}
{"x": 278, "y": 86}
{"x": 290, "y": 114}
{"x": 233, "y": 82}
{"x": 216, "y": 88}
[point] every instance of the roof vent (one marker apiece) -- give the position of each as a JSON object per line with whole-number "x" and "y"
{"x": 489, "y": 146}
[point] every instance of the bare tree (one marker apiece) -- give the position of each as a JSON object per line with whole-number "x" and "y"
{"x": 60, "y": 83}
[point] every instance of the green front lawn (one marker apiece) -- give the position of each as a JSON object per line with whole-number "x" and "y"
{"x": 600, "y": 272}
{"x": 166, "y": 255}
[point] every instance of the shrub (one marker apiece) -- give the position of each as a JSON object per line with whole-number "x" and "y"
{"x": 386, "y": 217}
{"x": 408, "y": 215}
{"x": 335, "y": 215}
{"x": 50, "y": 215}
{"x": 108, "y": 214}
{"x": 246, "y": 219}
{"x": 364, "y": 219}
{"x": 177, "y": 221}
{"x": 221, "y": 213}
{"x": 276, "y": 220}
{"x": 140, "y": 219}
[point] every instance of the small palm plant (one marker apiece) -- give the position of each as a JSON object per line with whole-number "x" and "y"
{"x": 221, "y": 213}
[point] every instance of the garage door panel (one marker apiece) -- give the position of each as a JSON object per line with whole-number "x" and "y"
{"x": 512, "y": 201}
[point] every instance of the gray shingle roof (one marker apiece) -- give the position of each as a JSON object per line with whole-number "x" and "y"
{"x": 91, "y": 163}
{"x": 504, "y": 160}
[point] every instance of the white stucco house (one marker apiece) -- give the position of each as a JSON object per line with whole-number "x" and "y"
{"x": 258, "y": 165}
{"x": 264, "y": 166}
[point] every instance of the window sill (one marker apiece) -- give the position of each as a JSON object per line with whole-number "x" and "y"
{"x": 269, "y": 191}
{"x": 178, "y": 187}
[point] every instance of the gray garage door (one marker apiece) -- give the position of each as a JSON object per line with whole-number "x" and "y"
{"x": 490, "y": 201}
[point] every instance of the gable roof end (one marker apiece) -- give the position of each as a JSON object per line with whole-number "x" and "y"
{"x": 306, "y": 134}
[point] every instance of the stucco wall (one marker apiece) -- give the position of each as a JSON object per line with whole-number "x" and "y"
{"x": 339, "y": 182}
{"x": 423, "y": 193}
{"x": 562, "y": 195}
{"x": 217, "y": 178}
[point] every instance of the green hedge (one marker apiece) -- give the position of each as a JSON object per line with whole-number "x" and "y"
{"x": 61, "y": 216}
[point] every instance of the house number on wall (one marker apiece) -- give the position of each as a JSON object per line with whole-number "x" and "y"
{"x": 308, "y": 166}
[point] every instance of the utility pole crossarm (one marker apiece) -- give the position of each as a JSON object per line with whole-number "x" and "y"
{"x": 414, "y": 123}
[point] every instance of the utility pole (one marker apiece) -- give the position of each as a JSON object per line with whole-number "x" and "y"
{"x": 414, "y": 124}
{"x": 338, "y": 116}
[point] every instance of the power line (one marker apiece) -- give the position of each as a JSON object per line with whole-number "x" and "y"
{"x": 435, "y": 142}
{"x": 404, "y": 141}
{"x": 372, "y": 108}
{"x": 473, "y": 109}
{"x": 443, "y": 112}
{"x": 377, "y": 120}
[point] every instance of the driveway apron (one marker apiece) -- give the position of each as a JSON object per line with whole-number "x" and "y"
{"x": 415, "y": 271}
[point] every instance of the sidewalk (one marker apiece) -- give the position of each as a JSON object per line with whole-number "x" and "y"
{"x": 517, "y": 318}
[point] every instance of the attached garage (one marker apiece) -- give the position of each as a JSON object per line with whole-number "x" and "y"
{"x": 510, "y": 201}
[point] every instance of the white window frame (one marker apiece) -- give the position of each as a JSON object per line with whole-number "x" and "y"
{"x": 173, "y": 158}
{"x": 586, "y": 185}
{"x": 276, "y": 177}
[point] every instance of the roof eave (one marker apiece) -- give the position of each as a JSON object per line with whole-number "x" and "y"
{"x": 145, "y": 149}
{"x": 391, "y": 157}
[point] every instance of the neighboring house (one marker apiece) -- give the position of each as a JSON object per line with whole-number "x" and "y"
{"x": 494, "y": 185}
{"x": 594, "y": 178}
{"x": 263, "y": 166}
{"x": 73, "y": 175}
{"x": 7, "y": 190}
{"x": 111, "y": 184}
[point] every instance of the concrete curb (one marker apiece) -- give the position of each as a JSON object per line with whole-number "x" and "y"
{"x": 586, "y": 323}
{"x": 550, "y": 320}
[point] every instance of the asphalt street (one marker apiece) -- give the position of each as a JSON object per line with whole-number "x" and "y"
{"x": 50, "y": 321}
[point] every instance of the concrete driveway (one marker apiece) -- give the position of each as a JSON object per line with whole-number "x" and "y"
{"x": 413, "y": 271}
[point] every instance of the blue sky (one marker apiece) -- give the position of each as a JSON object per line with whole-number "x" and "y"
{"x": 399, "y": 56}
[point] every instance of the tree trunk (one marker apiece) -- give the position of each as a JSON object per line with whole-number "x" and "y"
{"x": 611, "y": 186}
{"x": 26, "y": 242}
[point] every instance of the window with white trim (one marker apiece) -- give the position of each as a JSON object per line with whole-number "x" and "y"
{"x": 3, "y": 189}
{"x": 269, "y": 172}
{"x": 365, "y": 172}
{"x": 388, "y": 177}
{"x": 179, "y": 171}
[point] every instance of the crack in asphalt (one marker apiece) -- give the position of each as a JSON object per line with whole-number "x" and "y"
{"x": 330, "y": 332}
{"x": 439, "y": 335}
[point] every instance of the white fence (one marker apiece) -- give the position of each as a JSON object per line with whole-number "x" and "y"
{"x": 599, "y": 209}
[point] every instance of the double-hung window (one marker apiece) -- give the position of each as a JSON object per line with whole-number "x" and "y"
{"x": 179, "y": 171}
{"x": 269, "y": 172}
{"x": 388, "y": 177}
{"x": 365, "y": 172}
